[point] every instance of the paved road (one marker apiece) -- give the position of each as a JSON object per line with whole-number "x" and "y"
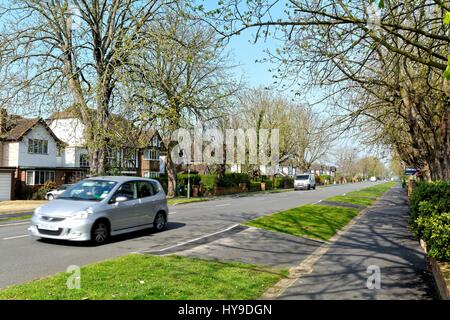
{"x": 379, "y": 239}
{"x": 24, "y": 258}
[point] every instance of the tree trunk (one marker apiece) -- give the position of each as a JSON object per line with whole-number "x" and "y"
{"x": 171, "y": 174}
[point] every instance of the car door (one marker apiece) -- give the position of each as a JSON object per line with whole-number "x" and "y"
{"x": 148, "y": 202}
{"x": 126, "y": 214}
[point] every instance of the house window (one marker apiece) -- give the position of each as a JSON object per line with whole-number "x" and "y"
{"x": 155, "y": 141}
{"x": 36, "y": 146}
{"x": 151, "y": 174}
{"x": 60, "y": 151}
{"x": 39, "y": 177}
{"x": 84, "y": 160}
{"x": 151, "y": 154}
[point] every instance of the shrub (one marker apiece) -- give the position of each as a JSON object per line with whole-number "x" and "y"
{"x": 283, "y": 183}
{"x": 428, "y": 198}
{"x": 436, "y": 233}
{"x": 255, "y": 185}
{"x": 233, "y": 180}
{"x": 208, "y": 181}
{"x": 42, "y": 191}
{"x": 269, "y": 184}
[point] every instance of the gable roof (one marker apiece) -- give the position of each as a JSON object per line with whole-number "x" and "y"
{"x": 123, "y": 128}
{"x": 17, "y": 127}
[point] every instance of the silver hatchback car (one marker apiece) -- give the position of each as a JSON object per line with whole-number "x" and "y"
{"x": 97, "y": 208}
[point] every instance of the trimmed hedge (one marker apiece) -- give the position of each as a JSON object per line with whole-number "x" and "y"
{"x": 430, "y": 217}
{"x": 233, "y": 180}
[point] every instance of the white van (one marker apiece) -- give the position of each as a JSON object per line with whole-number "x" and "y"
{"x": 305, "y": 181}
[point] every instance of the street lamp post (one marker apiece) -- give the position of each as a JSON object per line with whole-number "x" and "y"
{"x": 189, "y": 181}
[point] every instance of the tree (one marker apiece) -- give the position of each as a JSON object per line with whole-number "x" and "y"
{"x": 303, "y": 138}
{"x": 54, "y": 47}
{"x": 375, "y": 63}
{"x": 181, "y": 77}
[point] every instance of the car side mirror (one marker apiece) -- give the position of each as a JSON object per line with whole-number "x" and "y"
{"x": 120, "y": 199}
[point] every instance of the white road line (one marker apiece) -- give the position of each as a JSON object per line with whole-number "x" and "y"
{"x": 196, "y": 239}
{"x": 13, "y": 224}
{"x": 223, "y": 205}
{"x": 17, "y": 237}
{"x": 317, "y": 202}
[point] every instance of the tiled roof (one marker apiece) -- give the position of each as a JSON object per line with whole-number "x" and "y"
{"x": 17, "y": 127}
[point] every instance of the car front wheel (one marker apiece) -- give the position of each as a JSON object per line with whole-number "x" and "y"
{"x": 100, "y": 232}
{"x": 50, "y": 197}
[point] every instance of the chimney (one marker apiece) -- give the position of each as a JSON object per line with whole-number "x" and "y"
{"x": 3, "y": 119}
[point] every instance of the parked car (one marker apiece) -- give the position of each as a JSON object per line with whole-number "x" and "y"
{"x": 97, "y": 208}
{"x": 373, "y": 179}
{"x": 52, "y": 194}
{"x": 305, "y": 181}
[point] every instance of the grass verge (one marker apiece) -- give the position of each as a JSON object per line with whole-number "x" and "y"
{"x": 313, "y": 221}
{"x": 139, "y": 277}
{"x": 365, "y": 197}
{"x": 179, "y": 200}
{"x": 16, "y": 218}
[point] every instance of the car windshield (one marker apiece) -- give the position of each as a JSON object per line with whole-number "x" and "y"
{"x": 303, "y": 177}
{"x": 89, "y": 190}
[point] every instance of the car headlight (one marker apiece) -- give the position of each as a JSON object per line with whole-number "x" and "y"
{"x": 38, "y": 210}
{"x": 82, "y": 215}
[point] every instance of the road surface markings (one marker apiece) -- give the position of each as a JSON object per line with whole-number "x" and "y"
{"x": 223, "y": 205}
{"x": 199, "y": 238}
{"x": 16, "y": 237}
{"x": 317, "y": 202}
{"x": 13, "y": 224}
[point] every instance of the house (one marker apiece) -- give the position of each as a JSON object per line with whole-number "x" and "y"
{"x": 151, "y": 155}
{"x": 138, "y": 153}
{"x": 30, "y": 155}
{"x": 68, "y": 127}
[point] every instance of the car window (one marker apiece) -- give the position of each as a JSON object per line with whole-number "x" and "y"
{"x": 145, "y": 189}
{"x": 127, "y": 190}
{"x": 302, "y": 177}
{"x": 156, "y": 187}
{"x": 90, "y": 190}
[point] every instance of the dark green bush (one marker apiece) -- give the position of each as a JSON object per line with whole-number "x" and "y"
{"x": 283, "y": 182}
{"x": 436, "y": 233}
{"x": 430, "y": 217}
{"x": 427, "y": 199}
{"x": 208, "y": 181}
{"x": 183, "y": 178}
{"x": 255, "y": 185}
{"x": 233, "y": 180}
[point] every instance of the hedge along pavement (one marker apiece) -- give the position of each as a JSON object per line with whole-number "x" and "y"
{"x": 430, "y": 217}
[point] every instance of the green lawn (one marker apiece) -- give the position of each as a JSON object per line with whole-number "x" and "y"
{"x": 364, "y": 197}
{"x": 353, "y": 200}
{"x": 313, "y": 221}
{"x": 179, "y": 200}
{"x": 17, "y": 218}
{"x": 142, "y": 277}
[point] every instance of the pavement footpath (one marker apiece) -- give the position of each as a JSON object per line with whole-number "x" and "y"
{"x": 377, "y": 258}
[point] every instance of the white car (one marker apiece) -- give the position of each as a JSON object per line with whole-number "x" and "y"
{"x": 373, "y": 179}
{"x": 305, "y": 181}
{"x": 53, "y": 194}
